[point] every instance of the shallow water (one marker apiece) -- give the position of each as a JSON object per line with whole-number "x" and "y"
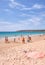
{"x": 12, "y": 34}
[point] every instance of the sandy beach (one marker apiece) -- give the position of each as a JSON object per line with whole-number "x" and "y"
{"x": 15, "y": 53}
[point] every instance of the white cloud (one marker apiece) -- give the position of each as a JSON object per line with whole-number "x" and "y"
{"x": 9, "y": 26}
{"x": 38, "y": 6}
{"x": 17, "y": 5}
{"x": 25, "y": 15}
{"x": 26, "y": 8}
{"x": 14, "y": 4}
{"x": 7, "y": 10}
{"x": 12, "y": 0}
{"x": 35, "y": 6}
{"x": 33, "y": 19}
{"x": 36, "y": 21}
{"x": 20, "y": 25}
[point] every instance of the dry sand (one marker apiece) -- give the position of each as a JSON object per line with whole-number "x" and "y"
{"x": 14, "y": 53}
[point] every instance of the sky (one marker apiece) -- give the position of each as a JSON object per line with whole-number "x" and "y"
{"x": 22, "y": 15}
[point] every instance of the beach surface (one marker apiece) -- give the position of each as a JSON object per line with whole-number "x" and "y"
{"x": 14, "y": 53}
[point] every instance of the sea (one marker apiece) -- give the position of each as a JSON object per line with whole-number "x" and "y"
{"x": 13, "y": 34}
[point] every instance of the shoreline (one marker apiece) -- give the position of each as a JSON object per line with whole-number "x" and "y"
{"x": 22, "y": 35}
{"x": 34, "y": 38}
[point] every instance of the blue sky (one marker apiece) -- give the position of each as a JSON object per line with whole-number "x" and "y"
{"x": 22, "y": 15}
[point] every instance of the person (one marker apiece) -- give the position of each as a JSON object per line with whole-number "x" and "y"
{"x": 6, "y": 39}
{"x": 14, "y": 39}
{"x": 23, "y": 40}
{"x": 29, "y": 39}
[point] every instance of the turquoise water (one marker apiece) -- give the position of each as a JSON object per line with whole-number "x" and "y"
{"x": 10, "y": 34}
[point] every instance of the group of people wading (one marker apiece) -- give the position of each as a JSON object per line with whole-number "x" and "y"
{"x": 22, "y": 39}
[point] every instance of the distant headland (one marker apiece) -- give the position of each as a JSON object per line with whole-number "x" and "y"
{"x": 30, "y": 31}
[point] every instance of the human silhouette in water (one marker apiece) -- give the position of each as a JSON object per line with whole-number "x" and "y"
{"x": 6, "y": 39}
{"x": 29, "y": 39}
{"x": 14, "y": 39}
{"x": 23, "y": 40}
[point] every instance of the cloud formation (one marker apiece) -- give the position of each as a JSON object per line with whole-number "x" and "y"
{"x": 38, "y": 6}
{"x": 21, "y": 24}
{"x": 14, "y": 4}
{"x": 35, "y": 6}
{"x": 20, "y": 16}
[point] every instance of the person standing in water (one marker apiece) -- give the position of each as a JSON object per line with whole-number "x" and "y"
{"x": 6, "y": 40}
{"x": 29, "y": 39}
{"x": 23, "y": 40}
